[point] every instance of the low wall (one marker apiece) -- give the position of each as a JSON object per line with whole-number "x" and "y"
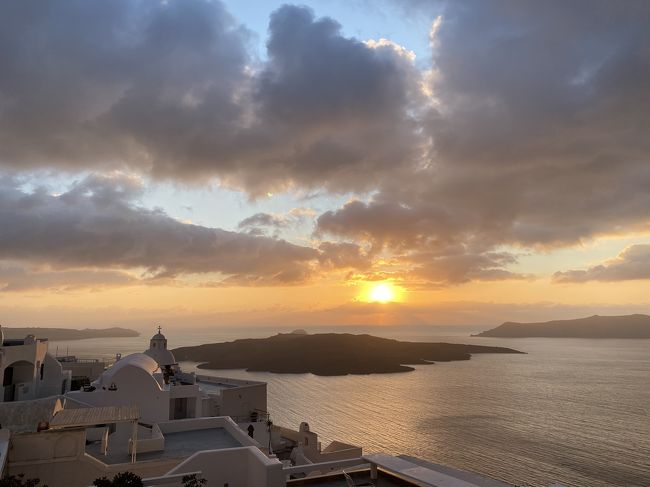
{"x": 47, "y": 446}
{"x": 191, "y": 424}
{"x": 224, "y": 422}
{"x": 227, "y": 380}
{"x": 83, "y": 471}
{"x": 308, "y": 439}
{"x": 260, "y": 432}
{"x": 236, "y": 467}
{"x": 240, "y": 402}
{"x": 58, "y": 458}
{"x": 155, "y": 442}
{"x": 354, "y": 452}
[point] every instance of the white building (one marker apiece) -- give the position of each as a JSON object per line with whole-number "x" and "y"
{"x": 146, "y": 416}
{"x": 81, "y": 444}
{"x": 83, "y": 370}
{"x": 154, "y": 382}
{"x": 28, "y": 371}
{"x": 159, "y": 352}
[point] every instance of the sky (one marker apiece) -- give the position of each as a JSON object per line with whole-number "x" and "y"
{"x": 411, "y": 162}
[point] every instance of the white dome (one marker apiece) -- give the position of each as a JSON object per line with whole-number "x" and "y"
{"x": 137, "y": 360}
{"x": 161, "y": 355}
{"x": 158, "y": 350}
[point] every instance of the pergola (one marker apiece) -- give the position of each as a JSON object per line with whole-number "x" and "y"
{"x": 75, "y": 418}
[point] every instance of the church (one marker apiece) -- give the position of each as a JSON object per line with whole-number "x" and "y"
{"x": 155, "y": 382}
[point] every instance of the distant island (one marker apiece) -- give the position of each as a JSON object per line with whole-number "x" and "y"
{"x": 326, "y": 354}
{"x": 629, "y": 326}
{"x": 63, "y": 334}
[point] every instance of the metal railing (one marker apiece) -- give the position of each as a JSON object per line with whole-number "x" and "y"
{"x": 255, "y": 415}
{"x": 68, "y": 359}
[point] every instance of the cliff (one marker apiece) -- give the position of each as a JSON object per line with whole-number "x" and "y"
{"x": 327, "y": 354}
{"x": 629, "y": 326}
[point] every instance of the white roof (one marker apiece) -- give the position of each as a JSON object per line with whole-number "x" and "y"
{"x": 416, "y": 472}
{"x": 139, "y": 360}
{"x": 161, "y": 355}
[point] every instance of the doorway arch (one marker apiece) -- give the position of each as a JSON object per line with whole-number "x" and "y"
{"x": 15, "y": 373}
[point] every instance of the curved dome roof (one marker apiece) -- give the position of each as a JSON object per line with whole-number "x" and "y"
{"x": 161, "y": 355}
{"x": 139, "y": 360}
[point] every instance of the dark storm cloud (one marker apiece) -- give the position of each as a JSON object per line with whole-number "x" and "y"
{"x": 96, "y": 224}
{"x": 168, "y": 88}
{"x": 631, "y": 264}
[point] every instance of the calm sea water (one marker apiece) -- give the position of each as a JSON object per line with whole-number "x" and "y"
{"x": 571, "y": 410}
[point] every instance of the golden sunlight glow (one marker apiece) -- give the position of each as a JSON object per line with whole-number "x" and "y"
{"x": 382, "y": 293}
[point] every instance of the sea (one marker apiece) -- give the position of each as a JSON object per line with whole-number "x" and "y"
{"x": 574, "y": 411}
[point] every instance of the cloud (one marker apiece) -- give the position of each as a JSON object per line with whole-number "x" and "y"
{"x": 464, "y": 267}
{"x": 78, "y": 92}
{"x": 426, "y": 240}
{"x": 538, "y": 138}
{"x": 17, "y": 278}
{"x": 341, "y": 255}
{"x": 633, "y": 263}
{"x": 384, "y": 223}
{"x": 169, "y": 89}
{"x": 330, "y": 111}
{"x": 96, "y": 224}
{"x": 257, "y": 223}
{"x": 263, "y": 220}
{"x": 529, "y": 132}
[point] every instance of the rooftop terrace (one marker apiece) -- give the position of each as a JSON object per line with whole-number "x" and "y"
{"x": 177, "y": 445}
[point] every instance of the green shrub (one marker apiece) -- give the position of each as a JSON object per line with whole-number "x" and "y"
{"x": 19, "y": 481}
{"x": 193, "y": 481}
{"x": 124, "y": 479}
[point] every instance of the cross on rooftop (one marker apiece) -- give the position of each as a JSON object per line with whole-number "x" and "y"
{"x": 159, "y": 328}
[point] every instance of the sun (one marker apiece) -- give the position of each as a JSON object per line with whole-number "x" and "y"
{"x": 382, "y": 293}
